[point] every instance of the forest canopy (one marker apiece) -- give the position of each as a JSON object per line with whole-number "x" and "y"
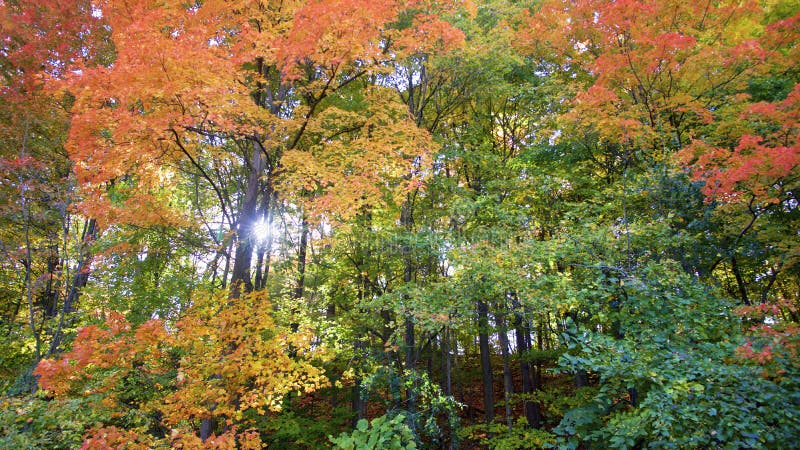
{"x": 359, "y": 224}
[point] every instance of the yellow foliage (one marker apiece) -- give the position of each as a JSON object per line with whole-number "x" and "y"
{"x": 232, "y": 360}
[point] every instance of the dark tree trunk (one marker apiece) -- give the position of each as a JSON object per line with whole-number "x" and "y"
{"x": 227, "y": 268}
{"x": 259, "y": 281}
{"x": 533, "y": 412}
{"x": 739, "y": 281}
{"x": 359, "y": 403}
{"x": 206, "y": 428}
{"x": 486, "y": 362}
{"x": 265, "y": 248}
{"x": 508, "y": 383}
{"x": 82, "y": 275}
{"x": 78, "y": 282}
{"x": 302, "y": 253}
{"x": 50, "y": 295}
{"x": 406, "y": 220}
{"x": 240, "y": 277}
{"x": 408, "y": 271}
{"x": 299, "y": 288}
{"x": 537, "y": 375}
{"x": 446, "y": 362}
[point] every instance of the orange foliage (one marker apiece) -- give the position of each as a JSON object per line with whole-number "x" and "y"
{"x": 758, "y": 164}
{"x": 109, "y": 438}
{"x": 773, "y": 337}
{"x": 181, "y": 73}
{"x": 231, "y": 360}
{"x": 231, "y": 363}
{"x": 96, "y": 349}
{"x": 42, "y": 38}
{"x": 371, "y": 166}
{"x": 658, "y": 63}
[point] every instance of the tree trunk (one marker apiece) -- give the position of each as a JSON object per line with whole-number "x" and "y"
{"x": 532, "y": 409}
{"x": 206, "y": 428}
{"x": 50, "y": 295}
{"x": 739, "y": 281}
{"x": 84, "y": 268}
{"x": 486, "y": 362}
{"x": 265, "y": 247}
{"x": 240, "y": 278}
{"x": 408, "y": 271}
{"x": 446, "y": 362}
{"x": 508, "y": 383}
{"x": 227, "y": 269}
{"x": 299, "y": 288}
{"x": 78, "y": 282}
{"x": 359, "y": 403}
{"x": 406, "y": 220}
{"x": 302, "y": 252}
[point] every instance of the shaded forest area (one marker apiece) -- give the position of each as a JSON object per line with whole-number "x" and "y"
{"x": 357, "y": 224}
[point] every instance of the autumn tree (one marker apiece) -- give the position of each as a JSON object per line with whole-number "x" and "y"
{"x": 43, "y": 239}
{"x": 258, "y": 116}
{"x": 220, "y": 362}
{"x": 649, "y": 81}
{"x": 506, "y": 224}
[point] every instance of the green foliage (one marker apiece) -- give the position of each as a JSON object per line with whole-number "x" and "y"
{"x": 35, "y": 422}
{"x": 425, "y": 406}
{"x": 381, "y": 433}
{"x": 558, "y": 168}
{"x": 670, "y": 377}
{"x": 557, "y": 401}
{"x": 295, "y": 427}
{"x": 498, "y": 436}
{"x": 534, "y": 355}
{"x": 14, "y": 359}
{"x": 147, "y": 272}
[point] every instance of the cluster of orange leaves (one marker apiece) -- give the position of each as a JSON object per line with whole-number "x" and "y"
{"x": 654, "y": 54}
{"x": 651, "y": 73}
{"x": 179, "y": 69}
{"x": 227, "y": 357}
{"x": 775, "y": 338}
{"x": 653, "y": 65}
{"x": 377, "y": 164}
{"x": 759, "y": 162}
{"x": 111, "y": 437}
